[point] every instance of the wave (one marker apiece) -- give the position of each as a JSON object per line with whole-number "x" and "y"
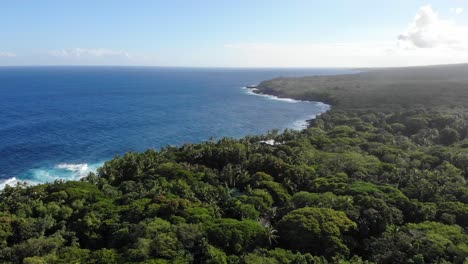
{"x": 299, "y": 124}
{"x": 15, "y": 181}
{"x": 62, "y": 171}
{"x": 80, "y": 167}
{"x": 11, "y": 181}
{"x": 251, "y": 91}
{"x": 304, "y": 123}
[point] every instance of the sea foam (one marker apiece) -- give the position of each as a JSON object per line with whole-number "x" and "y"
{"x": 304, "y": 123}
{"x": 11, "y": 181}
{"x": 301, "y": 123}
{"x": 251, "y": 91}
{"x": 62, "y": 171}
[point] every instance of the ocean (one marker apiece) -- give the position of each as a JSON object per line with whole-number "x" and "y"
{"x": 63, "y": 122}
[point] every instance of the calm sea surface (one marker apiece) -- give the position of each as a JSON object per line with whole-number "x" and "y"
{"x": 62, "y": 122}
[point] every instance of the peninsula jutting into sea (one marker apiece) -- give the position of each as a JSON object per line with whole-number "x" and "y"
{"x": 383, "y": 170}
{"x": 385, "y": 88}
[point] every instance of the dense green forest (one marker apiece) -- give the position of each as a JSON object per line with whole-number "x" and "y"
{"x": 359, "y": 186}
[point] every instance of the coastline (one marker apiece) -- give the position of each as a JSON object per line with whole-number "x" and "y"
{"x": 74, "y": 172}
{"x": 390, "y": 89}
{"x": 359, "y": 164}
{"x": 302, "y": 123}
{"x": 61, "y": 171}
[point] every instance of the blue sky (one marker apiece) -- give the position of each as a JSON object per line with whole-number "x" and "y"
{"x": 294, "y": 33}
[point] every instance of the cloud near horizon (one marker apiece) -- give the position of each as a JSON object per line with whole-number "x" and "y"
{"x": 428, "y": 30}
{"x": 98, "y": 56}
{"x": 7, "y": 54}
{"x": 429, "y": 39}
{"x": 81, "y": 53}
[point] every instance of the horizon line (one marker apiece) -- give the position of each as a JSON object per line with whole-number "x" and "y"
{"x": 222, "y": 67}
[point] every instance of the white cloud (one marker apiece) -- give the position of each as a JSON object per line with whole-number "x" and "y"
{"x": 456, "y": 10}
{"x": 371, "y": 54}
{"x": 428, "y": 30}
{"x": 80, "y": 53}
{"x": 428, "y": 39}
{"x": 7, "y": 54}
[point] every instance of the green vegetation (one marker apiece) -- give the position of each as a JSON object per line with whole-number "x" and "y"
{"x": 361, "y": 185}
{"x": 380, "y": 89}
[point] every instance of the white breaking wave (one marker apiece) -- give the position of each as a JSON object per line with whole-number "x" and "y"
{"x": 81, "y": 168}
{"x": 303, "y": 123}
{"x": 14, "y": 181}
{"x": 65, "y": 171}
{"x": 299, "y": 124}
{"x": 251, "y": 91}
{"x": 62, "y": 171}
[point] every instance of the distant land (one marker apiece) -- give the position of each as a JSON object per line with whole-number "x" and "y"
{"x": 443, "y": 86}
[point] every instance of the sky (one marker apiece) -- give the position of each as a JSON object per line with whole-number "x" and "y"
{"x": 241, "y": 33}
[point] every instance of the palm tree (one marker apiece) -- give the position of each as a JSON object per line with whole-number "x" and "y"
{"x": 248, "y": 189}
{"x": 290, "y": 185}
{"x": 271, "y": 234}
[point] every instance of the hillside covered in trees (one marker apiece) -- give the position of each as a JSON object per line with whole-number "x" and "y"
{"x": 380, "y": 178}
{"x": 383, "y": 89}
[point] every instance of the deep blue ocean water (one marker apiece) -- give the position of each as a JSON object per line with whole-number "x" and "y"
{"x": 62, "y": 122}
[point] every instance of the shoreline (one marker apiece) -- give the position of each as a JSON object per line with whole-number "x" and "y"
{"x": 60, "y": 171}
{"x": 390, "y": 89}
{"x": 297, "y": 125}
{"x": 325, "y": 107}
